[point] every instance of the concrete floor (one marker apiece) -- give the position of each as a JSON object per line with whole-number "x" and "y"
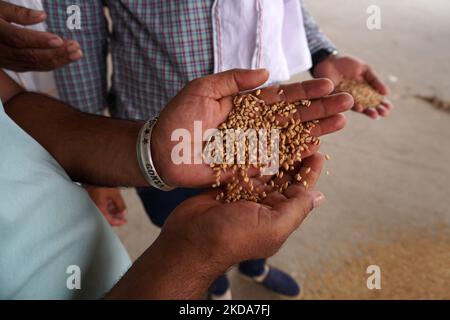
{"x": 388, "y": 191}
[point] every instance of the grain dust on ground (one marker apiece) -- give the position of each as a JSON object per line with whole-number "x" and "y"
{"x": 410, "y": 266}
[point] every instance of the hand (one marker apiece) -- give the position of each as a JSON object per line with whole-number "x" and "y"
{"x": 229, "y": 233}
{"x": 203, "y": 237}
{"x": 110, "y": 203}
{"x": 23, "y": 49}
{"x": 209, "y": 99}
{"x": 337, "y": 68}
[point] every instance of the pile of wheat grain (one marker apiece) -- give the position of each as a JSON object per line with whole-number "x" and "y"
{"x": 362, "y": 92}
{"x": 250, "y": 112}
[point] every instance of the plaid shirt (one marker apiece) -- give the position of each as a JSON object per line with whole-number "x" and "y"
{"x": 157, "y": 46}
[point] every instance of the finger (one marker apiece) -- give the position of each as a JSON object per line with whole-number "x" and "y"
{"x": 300, "y": 201}
{"x": 309, "y": 150}
{"x": 109, "y": 219}
{"x": 310, "y": 171}
{"x": 113, "y": 221}
{"x": 105, "y": 211}
{"x": 119, "y": 218}
{"x": 294, "y": 211}
{"x": 372, "y": 78}
{"x": 118, "y": 201}
{"x": 114, "y": 210}
{"x": 372, "y": 113}
{"x": 382, "y": 111}
{"x": 307, "y": 90}
{"x": 40, "y": 59}
{"x": 329, "y": 125}
{"x": 20, "y": 15}
{"x": 47, "y": 60}
{"x": 230, "y": 82}
{"x": 319, "y": 109}
{"x": 325, "y": 126}
{"x": 325, "y": 107}
{"x": 387, "y": 104}
{"x": 258, "y": 179}
{"x": 18, "y": 37}
{"x": 358, "y": 107}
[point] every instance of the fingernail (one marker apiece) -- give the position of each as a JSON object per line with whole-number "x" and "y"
{"x": 76, "y": 56}
{"x": 318, "y": 199}
{"x": 55, "y": 42}
{"x": 37, "y": 14}
{"x": 73, "y": 47}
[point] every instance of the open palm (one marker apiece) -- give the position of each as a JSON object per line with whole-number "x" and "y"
{"x": 209, "y": 100}
{"x": 245, "y": 230}
{"x": 338, "y": 68}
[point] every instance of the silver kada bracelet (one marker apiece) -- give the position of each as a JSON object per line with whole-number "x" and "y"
{"x": 144, "y": 156}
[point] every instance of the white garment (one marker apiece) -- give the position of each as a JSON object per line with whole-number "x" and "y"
{"x": 260, "y": 34}
{"x": 34, "y": 81}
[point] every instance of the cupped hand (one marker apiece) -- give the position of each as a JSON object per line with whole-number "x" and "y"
{"x": 227, "y": 233}
{"x": 23, "y": 49}
{"x": 209, "y": 100}
{"x": 338, "y": 68}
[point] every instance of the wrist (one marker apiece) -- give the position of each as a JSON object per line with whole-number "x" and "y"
{"x": 203, "y": 256}
{"x": 161, "y": 157}
{"x": 167, "y": 270}
{"x": 146, "y": 152}
{"x": 193, "y": 265}
{"x": 321, "y": 56}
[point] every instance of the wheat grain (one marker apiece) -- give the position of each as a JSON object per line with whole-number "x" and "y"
{"x": 362, "y": 93}
{"x": 250, "y": 112}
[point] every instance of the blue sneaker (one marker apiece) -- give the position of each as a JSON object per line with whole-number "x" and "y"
{"x": 277, "y": 281}
{"x": 220, "y": 289}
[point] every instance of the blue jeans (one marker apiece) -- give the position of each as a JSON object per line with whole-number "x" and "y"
{"x": 159, "y": 204}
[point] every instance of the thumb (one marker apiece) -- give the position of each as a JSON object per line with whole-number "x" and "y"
{"x": 230, "y": 82}
{"x": 20, "y": 15}
{"x": 296, "y": 208}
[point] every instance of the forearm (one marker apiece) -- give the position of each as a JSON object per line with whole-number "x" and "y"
{"x": 92, "y": 149}
{"x": 165, "y": 272}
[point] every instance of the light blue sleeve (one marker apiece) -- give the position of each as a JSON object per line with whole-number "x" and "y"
{"x": 47, "y": 224}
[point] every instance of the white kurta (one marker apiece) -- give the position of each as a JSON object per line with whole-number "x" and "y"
{"x": 260, "y": 34}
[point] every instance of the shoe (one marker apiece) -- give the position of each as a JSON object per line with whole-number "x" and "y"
{"x": 220, "y": 289}
{"x": 277, "y": 281}
{"x": 225, "y": 296}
